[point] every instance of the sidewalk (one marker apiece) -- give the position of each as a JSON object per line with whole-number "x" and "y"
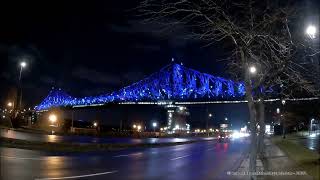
{"x": 277, "y": 161}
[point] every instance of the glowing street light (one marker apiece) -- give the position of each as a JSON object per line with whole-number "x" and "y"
{"x": 23, "y": 64}
{"x": 226, "y": 119}
{"x": 10, "y": 104}
{"x": 210, "y": 115}
{"x": 154, "y": 124}
{"x": 139, "y": 127}
{"x": 134, "y": 126}
{"x": 278, "y": 110}
{"x": 52, "y": 118}
{"x": 95, "y": 124}
{"x": 252, "y": 69}
{"x": 311, "y": 31}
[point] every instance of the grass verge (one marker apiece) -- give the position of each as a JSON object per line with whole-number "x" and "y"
{"x": 73, "y": 147}
{"x": 305, "y": 158}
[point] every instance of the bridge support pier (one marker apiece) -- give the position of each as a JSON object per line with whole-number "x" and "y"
{"x": 177, "y": 119}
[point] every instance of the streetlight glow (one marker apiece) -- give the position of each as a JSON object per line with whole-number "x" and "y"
{"x": 154, "y": 124}
{"x": 23, "y": 64}
{"x": 134, "y": 126}
{"x": 52, "y": 118}
{"x": 10, "y": 104}
{"x": 252, "y": 69}
{"x": 95, "y": 124}
{"x": 311, "y": 31}
{"x": 210, "y": 115}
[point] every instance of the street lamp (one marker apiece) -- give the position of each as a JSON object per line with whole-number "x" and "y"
{"x": 134, "y": 126}
{"x": 10, "y": 104}
{"x": 154, "y": 126}
{"x": 226, "y": 119}
{"x": 210, "y": 115}
{"x": 52, "y": 118}
{"x": 252, "y": 69}
{"x": 22, "y": 65}
{"x": 311, "y": 31}
{"x": 95, "y": 124}
{"x": 138, "y": 127}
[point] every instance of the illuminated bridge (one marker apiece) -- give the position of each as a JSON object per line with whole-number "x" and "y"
{"x": 173, "y": 83}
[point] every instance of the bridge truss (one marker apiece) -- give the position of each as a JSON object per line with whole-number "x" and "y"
{"x": 174, "y": 82}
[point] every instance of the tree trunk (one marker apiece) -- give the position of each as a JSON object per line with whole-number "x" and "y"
{"x": 262, "y": 125}
{"x": 252, "y": 113}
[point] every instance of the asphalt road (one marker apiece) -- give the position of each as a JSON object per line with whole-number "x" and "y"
{"x": 88, "y": 139}
{"x": 202, "y": 160}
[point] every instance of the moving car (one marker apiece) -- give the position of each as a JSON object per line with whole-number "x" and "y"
{"x": 224, "y": 137}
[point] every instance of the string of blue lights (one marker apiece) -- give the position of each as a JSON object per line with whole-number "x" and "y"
{"x": 173, "y": 82}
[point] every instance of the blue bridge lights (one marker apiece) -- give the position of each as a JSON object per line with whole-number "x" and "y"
{"x": 173, "y": 82}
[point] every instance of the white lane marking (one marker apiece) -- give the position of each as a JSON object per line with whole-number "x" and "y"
{"x": 210, "y": 149}
{"x": 22, "y": 158}
{"x": 179, "y": 157}
{"x": 80, "y": 176}
{"x": 124, "y": 155}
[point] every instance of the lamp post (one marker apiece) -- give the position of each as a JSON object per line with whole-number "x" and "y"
{"x": 311, "y": 32}
{"x": 11, "y": 105}
{"x": 154, "y": 125}
{"x": 207, "y": 125}
{"x": 283, "y": 121}
{"x": 22, "y": 65}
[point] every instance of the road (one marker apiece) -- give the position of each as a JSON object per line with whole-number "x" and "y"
{"x": 202, "y": 160}
{"x": 89, "y": 139}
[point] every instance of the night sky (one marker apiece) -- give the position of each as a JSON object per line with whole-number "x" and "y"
{"x": 89, "y": 48}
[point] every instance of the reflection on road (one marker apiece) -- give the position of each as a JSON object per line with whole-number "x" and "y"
{"x": 203, "y": 160}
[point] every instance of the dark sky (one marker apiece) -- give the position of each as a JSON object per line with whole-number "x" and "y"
{"x": 89, "y": 48}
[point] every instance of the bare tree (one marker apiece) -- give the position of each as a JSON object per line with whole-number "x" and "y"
{"x": 260, "y": 35}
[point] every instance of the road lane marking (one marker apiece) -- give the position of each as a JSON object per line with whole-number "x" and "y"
{"x": 80, "y": 176}
{"x": 210, "y": 149}
{"x": 125, "y": 155}
{"x": 179, "y": 157}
